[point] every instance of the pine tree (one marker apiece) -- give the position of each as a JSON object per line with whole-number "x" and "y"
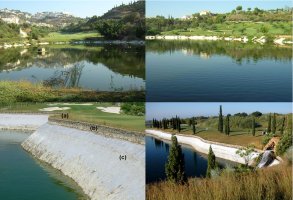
{"x": 253, "y": 126}
{"x": 193, "y": 126}
{"x": 282, "y": 126}
{"x": 269, "y": 123}
{"x": 211, "y": 162}
{"x": 174, "y": 168}
{"x": 220, "y": 123}
{"x": 274, "y": 124}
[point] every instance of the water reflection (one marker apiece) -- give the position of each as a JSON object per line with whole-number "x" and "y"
{"x": 105, "y": 68}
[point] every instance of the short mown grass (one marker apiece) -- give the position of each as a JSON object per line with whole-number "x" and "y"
{"x": 273, "y": 183}
{"x": 68, "y": 37}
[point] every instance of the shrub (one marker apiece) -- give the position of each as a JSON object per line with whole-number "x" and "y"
{"x": 284, "y": 143}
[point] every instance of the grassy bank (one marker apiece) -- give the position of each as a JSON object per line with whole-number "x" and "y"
{"x": 69, "y": 37}
{"x": 272, "y": 183}
{"x": 24, "y": 91}
{"x": 237, "y": 29}
{"x": 83, "y": 113}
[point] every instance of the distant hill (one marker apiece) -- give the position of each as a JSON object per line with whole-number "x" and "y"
{"x": 46, "y": 19}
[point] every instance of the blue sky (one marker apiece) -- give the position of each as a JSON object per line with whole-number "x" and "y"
{"x": 178, "y": 8}
{"x": 76, "y": 7}
{"x": 160, "y": 110}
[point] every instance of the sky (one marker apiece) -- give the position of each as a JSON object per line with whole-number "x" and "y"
{"x": 161, "y": 110}
{"x": 79, "y": 8}
{"x": 179, "y": 8}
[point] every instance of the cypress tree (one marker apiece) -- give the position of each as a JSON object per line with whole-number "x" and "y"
{"x": 220, "y": 123}
{"x": 282, "y": 126}
{"x": 253, "y": 126}
{"x": 269, "y": 123}
{"x": 274, "y": 124}
{"x": 289, "y": 123}
{"x": 193, "y": 126}
{"x": 227, "y": 126}
{"x": 211, "y": 162}
{"x": 174, "y": 167}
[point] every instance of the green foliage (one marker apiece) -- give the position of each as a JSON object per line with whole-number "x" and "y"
{"x": 174, "y": 168}
{"x": 253, "y": 127}
{"x": 274, "y": 124}
{"x": 256, "y": 114}
{"x": 282, "y": 125}
{"x": 284, "y": 143}
{"x": 269, "y": 123}
{"x": 221, "y": 121}
{"x": 193, "y": 126}
{"x": 211, "y": 162}
{"x": 246, "y": 153}
{"x": 133, "y": 108}
{"x": 227, "y": 125}
{"x": 267, "y": 138}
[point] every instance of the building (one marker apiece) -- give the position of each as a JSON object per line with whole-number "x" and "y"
{"x": 205, "y": 12}
{"x": 186, "y": 17}
{"x": 11, "y": 20}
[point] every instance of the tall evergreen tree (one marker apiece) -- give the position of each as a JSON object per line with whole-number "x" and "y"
{"x": 227, "y": 126}
{"x": 289, "y": 123}
{"x": 282, "y": 125}
{"x": 269, "y": 123}
{"x": 220, "y": 123}
{"x": 274, "y": 124}
{"x": 193, "y": 126}
{"x": 211, "y": 162}
{"x": 174, "y": 167}
{"x": 253, "y": 126}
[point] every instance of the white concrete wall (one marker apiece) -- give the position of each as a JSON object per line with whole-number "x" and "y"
{"x": 92, "y": 161}
{"x": 220, "y": 151}
{"x": 22, "y": 121}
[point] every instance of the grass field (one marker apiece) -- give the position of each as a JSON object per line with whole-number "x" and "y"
{"x": 68, "y": 37}
{"x": 237, "y": 137}
{"x": 24, "y": 91}
{"x": 273, "y": 183}
{"x": 249, "y": 29}
{"x": 84, "y": 113}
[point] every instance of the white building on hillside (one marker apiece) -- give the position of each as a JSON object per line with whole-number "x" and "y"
{"x": 11, "y": 20}
{"x": 205, "y": 12}
{"x": 186, "y": 17}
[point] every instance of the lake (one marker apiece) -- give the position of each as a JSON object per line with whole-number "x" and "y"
{"x": 218, "y": 71}
{"x": 23, "y": 177}
{"x": 107, "y": 67}
{"x": 157, "y": 152}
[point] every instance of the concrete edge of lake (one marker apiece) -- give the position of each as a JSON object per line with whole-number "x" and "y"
{"x": 101, "y": 166}
{"x": 221, "y": 150}
{"x": 244, "y": 39}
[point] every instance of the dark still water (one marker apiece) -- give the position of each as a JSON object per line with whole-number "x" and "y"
{"x": 157, "y": 152}
{"x": 102, "y": 68}
{"x": 217, "y": 71}
{"x": 22, "y": 177}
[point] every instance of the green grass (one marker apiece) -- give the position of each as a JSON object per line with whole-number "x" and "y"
{"x": 249, "y": 29}
{"x": 67, "y": 37}
{"x": 84, "y": 113}
{"x": 24, "y": 91}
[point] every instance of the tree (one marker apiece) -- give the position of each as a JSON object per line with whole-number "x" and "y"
{"x": 256, "y": 114}
{"x": 227, "y": 125}
{"x": 211, "y": 162}
{"x": 238, "y": 8}
{"x": 282, "y": 125}
{"x": 193, "y": 126}
{"x": 174, "y": 168}
{"x": 253, "y": 126}
{"x": 220, "y": 123}
{"x": 289, "y": 123}
{"x": 274, "y": 124}
{"x": 246, "y": 153}
{"x": 269, "y": 123}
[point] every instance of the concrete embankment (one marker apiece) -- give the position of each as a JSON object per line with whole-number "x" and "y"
{"x": 105, "y": 167}
{"x": 224, "y": 151}
{"x": 23, "y": 122}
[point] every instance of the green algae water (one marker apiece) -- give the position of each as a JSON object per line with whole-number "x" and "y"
{"x": 23, "y": 177}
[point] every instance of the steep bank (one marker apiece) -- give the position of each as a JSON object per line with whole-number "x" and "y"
{"x": 92, "y": 160}
{"x": 224, "y": 151}
{"x": 24, "y": 122}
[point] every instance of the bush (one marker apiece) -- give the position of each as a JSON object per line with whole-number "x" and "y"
{"x": 267, "y": 138}
{"x": 284, "y": 143}
{"x": 133, "y": 108}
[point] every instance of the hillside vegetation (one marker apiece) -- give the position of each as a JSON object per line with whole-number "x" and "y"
{"x": 238, "y": 22}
